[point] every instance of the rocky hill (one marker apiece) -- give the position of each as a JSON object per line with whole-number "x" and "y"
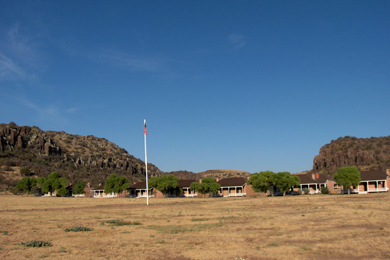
{"x": 75, "y": 157}
{"x": 365, "y": 153}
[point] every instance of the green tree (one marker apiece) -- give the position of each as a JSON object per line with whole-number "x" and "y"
{"x": 116, "y": 184}
{"x": 285, "y": 181}
{"x": 27, "y": 184}
{"x": 347, "y": 177}
{"x": 52, "y": 183}
{"x": 196, "y": 187}
{"x": 261, "y": 182}
{"x": 208, "y": 185}
{"x": 79, "y": 188}
{"x": 167, "y": 184}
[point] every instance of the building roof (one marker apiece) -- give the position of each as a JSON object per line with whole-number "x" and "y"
{"x": 139, "y": 185}
{"x": 100, "y": 187}
{"x": 372, "y": 175}
{"x": 323, "y": 178}
{"x": 308, "y": 179}
{"x": 305, "y": 179}
{"x": 233, "y": 181}
{"x": 185, "y": 183}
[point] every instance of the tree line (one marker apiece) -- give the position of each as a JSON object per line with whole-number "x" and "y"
{"x": 168, "y": 184}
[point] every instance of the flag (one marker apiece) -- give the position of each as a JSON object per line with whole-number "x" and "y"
{"x": 145, "y": 132}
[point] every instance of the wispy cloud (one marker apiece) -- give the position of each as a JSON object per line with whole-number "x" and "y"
{"x": 9, "y": 70}
{"x": 50, "y": 113}
{"x": 131, "y": 62}
{"x": 236, "y": 40}
{"x": 19, "y": 55}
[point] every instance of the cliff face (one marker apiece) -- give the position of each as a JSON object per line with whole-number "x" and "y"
{"x": 76, "y": 157}
{"x": 364, "y": 153}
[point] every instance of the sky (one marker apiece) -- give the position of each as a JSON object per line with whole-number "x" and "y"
{"x": 240, "y": 85}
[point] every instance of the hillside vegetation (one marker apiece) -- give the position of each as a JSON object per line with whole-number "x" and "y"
{"x": 75, "y": 157}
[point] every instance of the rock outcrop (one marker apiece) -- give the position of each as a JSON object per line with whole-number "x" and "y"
{"x": 84, "y": 157}
{"x": 365, "y": 153}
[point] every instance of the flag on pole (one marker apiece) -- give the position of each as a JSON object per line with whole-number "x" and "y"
{"x": 145, "y": 132}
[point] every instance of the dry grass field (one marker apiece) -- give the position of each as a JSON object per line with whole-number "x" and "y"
{"x": 299, "y": 227}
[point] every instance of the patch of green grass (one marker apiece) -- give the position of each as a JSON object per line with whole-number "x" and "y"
{"x": 118, "y": 223}
{"x": 199, "y": 219}
{"x": 78, "y": 229}
{"x": 227, "y": 218}
{"x": 183, "y": 229}
{"x": 5, "y": 233}
{"x": 62, "y": 250}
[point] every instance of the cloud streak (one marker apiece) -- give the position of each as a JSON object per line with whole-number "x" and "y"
{"x": 50, "y": 114}
{"x": 19, "y": 58}
{"x": 9, "y": 70}
{"x": 133, "y": 63}
{"x": 236, "y": 40}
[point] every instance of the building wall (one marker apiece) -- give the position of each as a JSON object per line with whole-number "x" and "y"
{"x": 330, "y": 184}
{"x": 123, "y": 194}
{"x": 249, "y": 191}
{"x": 158, "y": 194}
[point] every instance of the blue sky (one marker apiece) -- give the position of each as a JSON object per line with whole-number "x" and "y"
{"x": 243, "y": 85}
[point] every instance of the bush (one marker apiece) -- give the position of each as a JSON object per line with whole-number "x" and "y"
{"x": 306, "y": 191}
{"x": 115, "y": 222}
{"x": 324, "y": 190}
{"x": 35, "y": 243}
{"x": 300, "y": 192}
{"x": 25, "y": 171}
{"x": 77, "y": 229}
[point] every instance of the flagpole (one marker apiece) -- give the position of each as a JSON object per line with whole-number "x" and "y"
{"x": 146, "y": 165}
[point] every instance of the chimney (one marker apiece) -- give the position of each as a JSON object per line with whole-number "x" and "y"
{"x": 247, "y": 178}
{"x": 135, "y": 182}
{"x": 217, "y": 179}
{"x": 317, "y": 175}
{"x": 313, "y": 176}
{"x": 200, "y": 180}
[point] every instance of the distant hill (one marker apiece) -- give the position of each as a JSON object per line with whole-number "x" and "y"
{"x": 364, "y": 153}
{"x": 75, "y": 157}
{"x": 217, "y": 173}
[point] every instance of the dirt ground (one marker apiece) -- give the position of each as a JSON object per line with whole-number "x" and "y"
{"x": 299, "y": 227}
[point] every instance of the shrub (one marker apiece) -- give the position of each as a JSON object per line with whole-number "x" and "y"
{"x": 78, "y": 229}
{"x": 25, "y": 171}
{"x": 306, "y": 191}
{"x": 115, "y": 222}
{"x": 324, "y": 190}
{"x": 300, "y": 192}
{"x": 35, "y": 243}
